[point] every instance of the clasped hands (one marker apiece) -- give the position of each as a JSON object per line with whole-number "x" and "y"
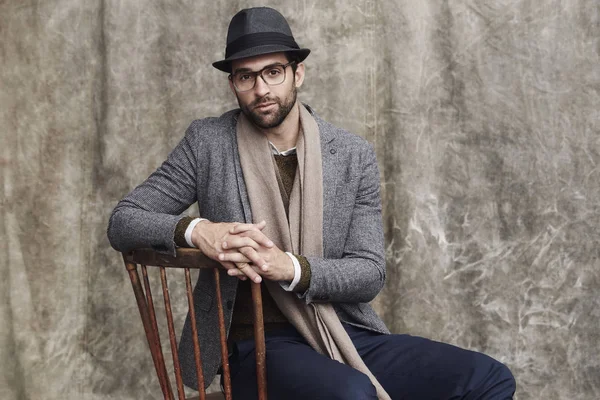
{"x": 244, "y": 250}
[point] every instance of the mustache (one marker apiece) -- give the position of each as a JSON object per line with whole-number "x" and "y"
{"x": 264, "y": 100}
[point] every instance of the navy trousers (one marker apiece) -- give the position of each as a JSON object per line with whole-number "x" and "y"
{"x": 408, "y": 367}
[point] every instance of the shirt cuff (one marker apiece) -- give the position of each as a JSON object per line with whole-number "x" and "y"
{"x": 297, "y": 272}
{"x": 190, "y": 228}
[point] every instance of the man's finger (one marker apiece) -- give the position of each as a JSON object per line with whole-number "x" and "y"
{"x": 239, "y": 228}
{"x": 253, "y": 256}
{"x": 237, "y": 273}
{"x": 258, "y": 237}
{"x": 228, "y": 265}
{"x": 232, "y": 270}
{"x": 233, "y": 257}
{"x": 249, "y": 272}
{"x": 236, "y": 242}
{"x": 246, "y": 255}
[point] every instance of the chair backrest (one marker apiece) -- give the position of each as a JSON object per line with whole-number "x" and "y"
{"x": 187, "y": 259}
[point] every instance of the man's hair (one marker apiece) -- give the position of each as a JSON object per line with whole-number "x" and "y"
{"x": 292, "y": 57}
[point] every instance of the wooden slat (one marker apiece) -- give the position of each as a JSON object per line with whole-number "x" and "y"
{"x": 158, "y": 345}
{"x": 153, "y": 343}
{"x": 223, "y": 337}
{"x": 197, "y": 358}
{"x": 172, "y": 338}
{"x": 185, "y": 258}
{"x": 259, "y": 340}
{"x": 212, "y": 396}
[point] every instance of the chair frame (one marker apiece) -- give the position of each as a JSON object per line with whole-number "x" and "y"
{"x": 188, "y": 259}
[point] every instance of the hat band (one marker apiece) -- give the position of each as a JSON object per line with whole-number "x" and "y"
{"x": 259, "y": 39}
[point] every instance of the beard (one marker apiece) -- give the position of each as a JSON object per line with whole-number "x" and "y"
{"x": 274, "y": 118}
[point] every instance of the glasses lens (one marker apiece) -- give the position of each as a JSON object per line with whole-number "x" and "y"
{"x": 243, "y": 81}
{"x": 274, "y": 75}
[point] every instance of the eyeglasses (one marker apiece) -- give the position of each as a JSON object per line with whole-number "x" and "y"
{"x": 272, "y": 75}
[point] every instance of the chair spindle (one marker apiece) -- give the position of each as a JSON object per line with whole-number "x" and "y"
{"x": 172, "y": 338}
{"x": 153, "y": 342}
{"x": 223, "y": 337}
{"x": 259, "y": 338}
{"x": 197, "y": 357}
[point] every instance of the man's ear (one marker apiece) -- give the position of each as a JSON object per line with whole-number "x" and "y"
{"x": 299, "y": 75}
{"x": 231, "y": 85}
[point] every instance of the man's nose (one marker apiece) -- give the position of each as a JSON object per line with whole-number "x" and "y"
{"x": 261, "y": 87}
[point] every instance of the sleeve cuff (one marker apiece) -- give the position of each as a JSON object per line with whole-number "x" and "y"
{"x": 190, "y": 229}
{"x": 297, "y": 273}
{"x": 305, "y": 276}
{"x": 179, "y": 234}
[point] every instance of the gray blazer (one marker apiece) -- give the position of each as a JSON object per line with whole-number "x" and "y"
{"x": 205, "y": 167}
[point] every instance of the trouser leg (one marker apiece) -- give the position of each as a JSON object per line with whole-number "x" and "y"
{"x": 296, "y": 372}
{"x": 407, "y": 367}
{"x": 410, "y": 367}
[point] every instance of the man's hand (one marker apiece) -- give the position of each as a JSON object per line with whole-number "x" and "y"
{"x": 278, "y": 266}
{"x": 235, "y": 238}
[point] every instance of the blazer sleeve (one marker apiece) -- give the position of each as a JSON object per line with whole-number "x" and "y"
{"x": 358, "y": 276}
{"x": 147, "y": 216}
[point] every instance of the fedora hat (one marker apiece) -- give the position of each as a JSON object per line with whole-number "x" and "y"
{"x": 257, "y": 31}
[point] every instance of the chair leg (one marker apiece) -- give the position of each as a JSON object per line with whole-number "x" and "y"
{"x": 259, "y": 339}
{"x": 151, "y": 336}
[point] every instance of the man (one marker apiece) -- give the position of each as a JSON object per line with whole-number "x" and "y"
{"x": 291, "y": 201}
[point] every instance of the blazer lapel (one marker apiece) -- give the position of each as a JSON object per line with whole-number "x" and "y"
{"x": 330, "y": 176}
{"x": 239, "y": 175}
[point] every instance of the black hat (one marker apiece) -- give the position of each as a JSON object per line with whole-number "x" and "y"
{"x": 256, "y": 31}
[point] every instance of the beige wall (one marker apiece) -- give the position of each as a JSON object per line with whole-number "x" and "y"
{"x": 485, "y": 116}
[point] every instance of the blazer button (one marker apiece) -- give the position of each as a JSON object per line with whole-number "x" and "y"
{"x": 229, "y": 304}
{"x": 332, "y": 151}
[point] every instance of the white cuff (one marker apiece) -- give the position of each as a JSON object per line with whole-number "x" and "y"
{"x": 190, "y": 228}
{"x": 297, "y": 273}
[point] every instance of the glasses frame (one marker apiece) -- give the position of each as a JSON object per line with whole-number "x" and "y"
{"x": 258, "y": 73}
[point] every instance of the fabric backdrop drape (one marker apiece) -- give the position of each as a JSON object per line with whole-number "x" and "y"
{"x": 484, "y": 115}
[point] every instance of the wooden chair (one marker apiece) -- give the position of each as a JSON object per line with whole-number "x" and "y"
{"x": 188, "y": 259}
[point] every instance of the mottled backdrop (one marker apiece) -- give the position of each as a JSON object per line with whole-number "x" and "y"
{"x": 485, "y": 116}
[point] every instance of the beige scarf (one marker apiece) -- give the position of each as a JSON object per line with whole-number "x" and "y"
{"x": 302, "y": 234}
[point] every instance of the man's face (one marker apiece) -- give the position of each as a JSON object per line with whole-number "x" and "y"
{"x": 267, "y": 106}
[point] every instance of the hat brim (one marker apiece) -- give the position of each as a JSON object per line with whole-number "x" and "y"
{"x": 225, "y": 65}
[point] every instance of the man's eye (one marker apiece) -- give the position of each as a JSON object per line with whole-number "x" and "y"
{"x": 274, "y": 71}
{"x": 243, "y": 78}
